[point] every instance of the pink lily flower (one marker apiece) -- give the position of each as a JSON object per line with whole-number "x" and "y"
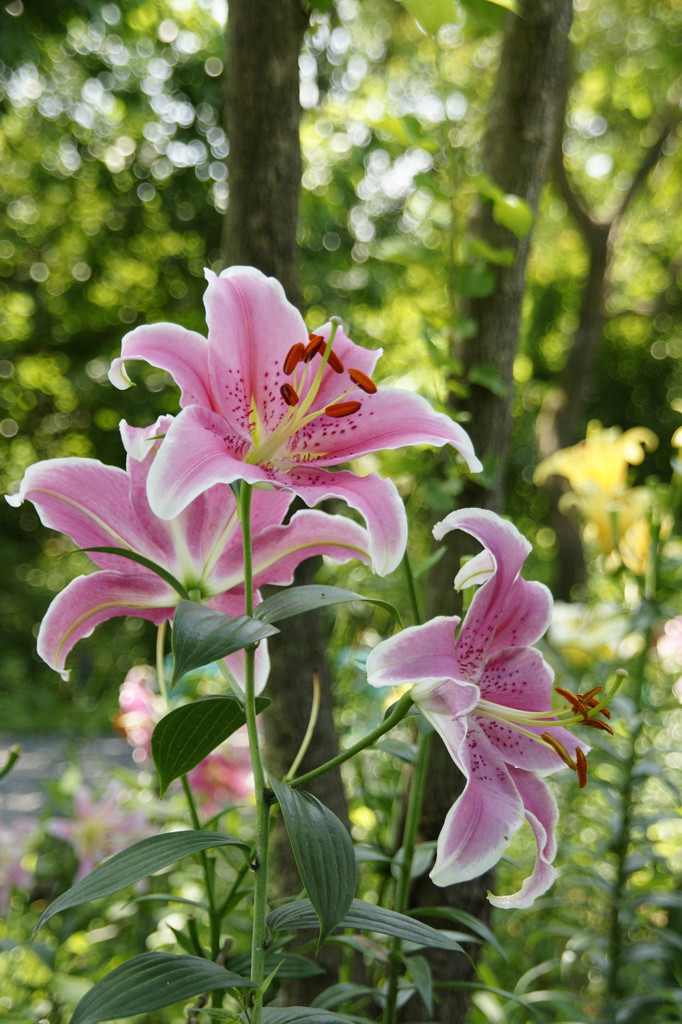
{"x": 98, "y": 828}
{"x": 264, "y": 401}
{"x": 488, "y": 693}
{"x": 98, "y": 506}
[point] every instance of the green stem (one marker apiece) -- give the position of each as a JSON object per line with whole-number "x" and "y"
{"x": 397, "y": 714}
{"x": 260, "y": 864}
{"x": 414, "y": 805}
{"x": 214, "y": 917}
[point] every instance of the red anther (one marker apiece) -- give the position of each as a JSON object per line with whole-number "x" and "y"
{"x": 581, "y": 767}
{"x": 293, "y": 357}
{"x": 334, "y": 361}
{"x": 313, "y": 347}
{"x": 342, "y": 409}
{"x": 364, "y": 382}
{"x": 288, "y": 394}
{"x": 560, "y": 749}
{"x": 596, "y": 723}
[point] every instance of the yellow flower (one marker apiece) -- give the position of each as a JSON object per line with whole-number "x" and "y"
{"x": 615, "y": 516}
{"x": 601, "y": 460}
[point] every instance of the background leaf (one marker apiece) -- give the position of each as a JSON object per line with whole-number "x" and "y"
{"x": 323, "y": 851}
{"x": 188, "y": 734}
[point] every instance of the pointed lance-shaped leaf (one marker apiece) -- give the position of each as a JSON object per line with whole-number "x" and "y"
{"x": 364, "y": 916}
{"x": 149, "y": 982}
{"x": 137, "y": 862}
{"x": 188, "y": 734}
{"x": 295, "y": 600}
{"x": 323, "y": 851}
{"x": 202, "y": 635}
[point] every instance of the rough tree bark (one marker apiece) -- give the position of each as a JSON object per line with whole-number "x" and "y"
{"x": 262, "y": 115}
{"x": 516, "y": 153}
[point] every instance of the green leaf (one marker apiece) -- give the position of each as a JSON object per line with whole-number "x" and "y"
{"x": 188, "y": 734}
{"x": 295, "y": 600}
{"x": 475, "y": 280}
{"x": 364, "y": 917}
{"x": 137, "y": 862}
{"x": 514, "y": 213}
{"x": 420, "y": 973}
{"x": 202, "y": 635}
{"x": 150, "y": 981}
{"x": 294, "y": 1014}
{"x": 487, "y": 376}
{"x": 432, "y": 14}
{"x": 398, "y": 748}
{"x": 323, "y": 851}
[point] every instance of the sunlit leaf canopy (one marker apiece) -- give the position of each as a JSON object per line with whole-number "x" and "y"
{"x": 114, "y": 183}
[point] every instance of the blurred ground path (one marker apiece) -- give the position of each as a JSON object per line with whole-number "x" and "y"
{"x": 44, "y": 758}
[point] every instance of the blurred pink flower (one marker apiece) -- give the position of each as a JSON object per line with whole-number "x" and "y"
{"x": 99, "y": 827}
{"x": 14, "y": 840}
{"x": 670, "y": 642}
{"x": 220, "y": 780}
{"x": 140, "y": 709}
{"x": 224, "y": 777}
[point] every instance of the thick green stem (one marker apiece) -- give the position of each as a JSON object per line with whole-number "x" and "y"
{"x": 260, "y": 864}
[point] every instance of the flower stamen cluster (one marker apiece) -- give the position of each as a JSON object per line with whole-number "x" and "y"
{"x": 580, "y": 709}
{"x": 299, "y": 398}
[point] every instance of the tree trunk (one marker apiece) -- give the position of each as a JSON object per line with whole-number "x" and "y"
{"x": 262, "y": 116}
{"x": 528, "y": 90}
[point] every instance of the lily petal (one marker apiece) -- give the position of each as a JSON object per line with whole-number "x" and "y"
{"x": 232, "y": 603}
{"x": 506, "y": 611}
{"x": 183, "y": 353}
{"x": 422, "y": 653}
{"x": 89, "y": 600}
{"x": 90, "y": 502}
{"x": 542, "y": 815}
{"x": 251, "y": 327}
{"x": 390, "y": 418}
{"x": 479, "y": 826}
{"x": 376, "y": 499}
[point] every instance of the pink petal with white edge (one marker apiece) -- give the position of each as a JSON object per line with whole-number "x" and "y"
{"x": 390, "y": 418}
{"x": 479, "y": 826}
{"x": 277, "y": 553}
{"x": 182, "y": 353}
{"x": 542, "y": 815}
{"x": 506, "y": 610}
{"x": 416, "y": 654}
{"x": 196, "y": 454}
{"x": 377, "y": 500}
{"x": 251, "y": 327}
{"x": 89, "y": 600}
{"x": 90, "y": 503}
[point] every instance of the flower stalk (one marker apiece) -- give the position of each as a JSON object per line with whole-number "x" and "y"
{"x": 260, "y": 862}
